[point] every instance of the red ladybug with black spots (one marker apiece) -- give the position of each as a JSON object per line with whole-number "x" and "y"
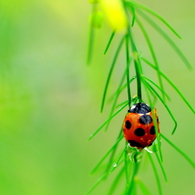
{"x": 139, "y": 127}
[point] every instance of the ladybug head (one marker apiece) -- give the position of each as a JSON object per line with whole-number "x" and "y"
{"x": 140, "y": 108}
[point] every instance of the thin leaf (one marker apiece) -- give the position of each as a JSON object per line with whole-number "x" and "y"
{"x": 107, "y": 153}
{"x": 134, "y": 101}
{"x": 126, "y": 161}
{"x": 161, "y": 166}
{"x": 109, "y": 42}
{"x": 91, "y": 39}
{"x": 152, "y": 53}
{"x": 110, "y": 162}
{"x": 131, "y": 185}
{"x": 122, "y": 103}
{"x": 156, "y": 175}
{"x": 119, "y": 90}
{"x": 171, "y": 83}
{"x": 178, "y": 150}
{"x": 165, "y": 105}
{"x": 92, "y": 135}
{"x": 116, "y": 181}
{"x": 168, "y": 39}
{"x": 143, "y": 187}
{"x": 97, "y": 183}
{"x": 162, "y": 91}
{"x": 140, "y": 6}
{"x": 110, "y": 72}
{"x": 117, "y": 162}
{"x": 133, "y": 15}
{"x": 115, "y": 96}
{"x": 153, "y": 116}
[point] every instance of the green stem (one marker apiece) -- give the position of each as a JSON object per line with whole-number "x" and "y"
{"x": 137, "y": 65}
{"x": 91, "y": 39}
{"x": 127, "y": 69}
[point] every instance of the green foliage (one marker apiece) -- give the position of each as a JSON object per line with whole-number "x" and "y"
{"x": 129, "y": 159}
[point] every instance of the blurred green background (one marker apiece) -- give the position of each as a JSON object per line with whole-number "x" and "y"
{"x": 50, "y": 100}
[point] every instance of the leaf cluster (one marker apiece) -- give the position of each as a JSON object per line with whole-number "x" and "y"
{"x": 127, "y": 160}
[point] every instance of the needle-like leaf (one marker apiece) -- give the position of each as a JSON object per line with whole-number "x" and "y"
{"x": 110, "y": 72}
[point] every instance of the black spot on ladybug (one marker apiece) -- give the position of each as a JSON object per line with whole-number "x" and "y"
{"x": 128, "y": 124}
{"x": 145, "y": 119}
{"x": 140, "y": 108}
{"x": 139, "y": 132}
{"x": 134, "y": 143}
{"x": 152, "y": 130}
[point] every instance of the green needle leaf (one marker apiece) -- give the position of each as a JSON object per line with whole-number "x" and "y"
{"x": 109, "y": 42}
{"x": 152, "y": 53}
{"x": 111, "y": 159}
{"x": 115, "y": 96}
{"x": 161, "y": 166}
{"x": 122, "y": 103}
{"x": 131, "y": 184}
{"x": 119, "y": 90}
{"x": 92, "y": 135}
{"x": 127, "y": 165}
{"x": 178, "y": 150}
{"x": 91, "y": 39}
{"x": 110, "y": 72}
{"x": 143, "y": 187}
{"x": 171, "y": 84}
{"x": 156, "y": 175}
{"x": 165, "y": 105}
{"x": 163, "y": 92}
{"x": 168, "y": 39}
{"x": 90, "y": 45}
{"x": 116, "y": 181}
{"x": 117, "y": 162}
{"x": 97, "y": 183}
{"x": 140, "y": 6}
{"x": 104, "y": 157}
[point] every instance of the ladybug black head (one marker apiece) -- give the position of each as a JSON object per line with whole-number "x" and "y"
{"x": 140, "y": 108}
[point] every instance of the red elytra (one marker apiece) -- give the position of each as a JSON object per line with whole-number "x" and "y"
{"x": 139, "y": 127}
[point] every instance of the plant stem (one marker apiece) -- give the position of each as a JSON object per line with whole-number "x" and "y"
{"x": 91, "y": 39}
{"x": 127, "y": 69}
{"x": 138, "y": 69}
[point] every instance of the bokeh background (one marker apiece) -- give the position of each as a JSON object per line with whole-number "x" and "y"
{"x": 50, "y": 100}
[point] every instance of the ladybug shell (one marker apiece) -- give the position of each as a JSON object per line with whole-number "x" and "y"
{"x": 139, "y": 129}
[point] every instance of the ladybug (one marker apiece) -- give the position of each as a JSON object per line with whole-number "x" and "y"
{"x": 139, "y": 127}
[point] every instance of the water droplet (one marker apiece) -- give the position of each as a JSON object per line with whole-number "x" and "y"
{"x": 139, "y": 54}
{"x": 134, "y": 154}
{"x": 148, "y": 150}
{"x": 115, "y": 165}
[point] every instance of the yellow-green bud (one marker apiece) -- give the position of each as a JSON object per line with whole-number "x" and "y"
{"x": 93, "y": 1}
{"x": 96, "y": 19}
{"x": 115, "y": 14}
